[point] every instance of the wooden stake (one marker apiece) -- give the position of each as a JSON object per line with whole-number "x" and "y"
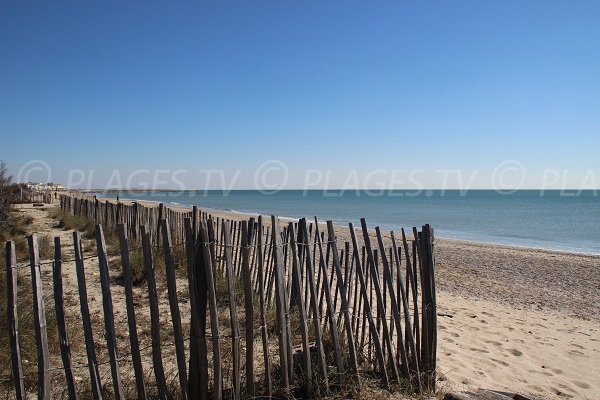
{"x": 131, "y": 320}
{"x": 159, "y": 372}
{"x": 85, "y": 318}
{"x": 13, "y": 320}
{"x": 174, "y": 307}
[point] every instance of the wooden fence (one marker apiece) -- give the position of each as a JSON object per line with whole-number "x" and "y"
{"x": 311, "y": 308}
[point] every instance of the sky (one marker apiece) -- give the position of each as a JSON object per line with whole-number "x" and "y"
{"x": 293, "y": 94}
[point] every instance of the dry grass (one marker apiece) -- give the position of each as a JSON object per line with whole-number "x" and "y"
{"x": 69, "y": 222}
{"x": 136, "y": 262}
{"x": 16, "y": 229}
{"x": 46, "y": 247}
{"x": 222, "y": 290}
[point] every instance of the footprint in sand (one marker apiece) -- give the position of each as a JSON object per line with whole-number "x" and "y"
{"x": 582, "y": 385}
{"x": 478, "y": 350}
{"x": 556, "y": 371}
{"x": 488, "y": 314}
{"x": 563, "y": 386}
{"x": 454, "y": 334}
{"x": 494, "y": 343}
{"x": 500, "y": 362}
{"x": 448, "y": 340}
{"x": 441, "y": 327}
{"x": 515, "y": 352}
{"x": 534, "y": 371}
{"x": 546, "y": 373}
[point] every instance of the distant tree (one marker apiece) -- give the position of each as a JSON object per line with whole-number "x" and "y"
{"x": 5, "y": 194}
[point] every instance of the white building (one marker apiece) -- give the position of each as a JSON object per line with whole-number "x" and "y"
{"x": 45, "y": 187}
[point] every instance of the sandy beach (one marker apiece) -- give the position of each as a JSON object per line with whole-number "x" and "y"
{"x": 513, "y": 319}
{"x": 516, "y": 319}
{"x": 523, "y": 320}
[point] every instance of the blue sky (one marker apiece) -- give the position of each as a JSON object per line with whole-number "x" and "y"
{"x": 328, "y": 86}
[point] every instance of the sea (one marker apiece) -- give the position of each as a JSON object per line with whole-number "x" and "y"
{"x": 545, "y": 219}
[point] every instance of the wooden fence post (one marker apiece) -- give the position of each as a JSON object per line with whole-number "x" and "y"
{"x": 159, "y": 372}
{"x": 201, "y": 289}
{"x": 174, "y": 307}
{"x": 325, "y": 288}
{"x": 412, "y": 281}
{"x": 107, "y": 306}
{"x": 235, "y": 329}
{"x": 247, "y": 234}
{"x": 85, "y": 317}
{"x": 407, "y": 324}
{"x": 39, "y": 316}
{"x": 310, "y": 276}
{"x": 65, "y": 347}
{"x": 135, "y": 220}
{"x": 194, "y": 368}
{"x": 13, "y": 320}
{"x": 214, "y": 315}
{"x": 424, "y": 319}
{"x": 131, "y": 320}
{"x": 342, "y": 291}
{"x": 307, "y": 371}
{"x": 262, "y": 301}
{"x": 280, "y": 306}
{"x": 428, "y": 347}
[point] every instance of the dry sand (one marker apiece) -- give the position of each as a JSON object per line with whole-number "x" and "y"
{"x": 523, "y": 320}
{"x": 515, "y": 319}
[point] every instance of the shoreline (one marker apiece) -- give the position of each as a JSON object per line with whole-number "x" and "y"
{"x": 237, "y": 215}
{"x": 510, "y": 275}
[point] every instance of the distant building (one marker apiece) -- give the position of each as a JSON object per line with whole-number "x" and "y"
{"x": 45, "y": 187}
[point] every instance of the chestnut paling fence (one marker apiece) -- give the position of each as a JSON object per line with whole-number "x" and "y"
{"x": 305, "y": 313}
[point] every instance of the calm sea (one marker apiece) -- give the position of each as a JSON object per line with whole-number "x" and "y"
{"x": 555, "y": 220}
